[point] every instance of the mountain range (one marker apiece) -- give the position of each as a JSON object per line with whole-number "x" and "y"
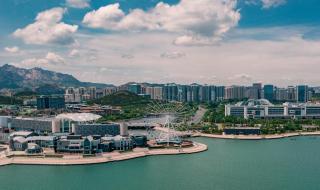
{"x": 39, "y": 80}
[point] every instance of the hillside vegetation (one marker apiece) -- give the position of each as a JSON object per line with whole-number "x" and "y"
{"x": 122, "y": 98}
{"x": 5, "y": 100}
{"x": 132, "y": 105}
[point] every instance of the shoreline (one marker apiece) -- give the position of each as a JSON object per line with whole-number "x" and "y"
{"x": 243, "y": 137}
{"x": 257, "y": 137}
{"x": 104, "y": 158}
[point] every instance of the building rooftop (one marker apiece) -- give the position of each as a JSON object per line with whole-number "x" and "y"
{"x": 42, "y": 138}
{"x": 36, "y": 118}
{"x": 19, "y": 139}
{"x": 79, "y": 117}
{"x": 254, "y": 102}
{"x": 21, "y": 133}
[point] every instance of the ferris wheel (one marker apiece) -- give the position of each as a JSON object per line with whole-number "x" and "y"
{"x": 169, "y": 115}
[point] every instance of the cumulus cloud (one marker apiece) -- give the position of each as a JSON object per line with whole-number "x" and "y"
{"x": 13, "y": 49}
{"x": 79, "y": 4}
{"x": 196, "y": 22}
{"x": 173, "y": 55}
{"x": 48, "y": 28}
{"x": 49, "y": 60}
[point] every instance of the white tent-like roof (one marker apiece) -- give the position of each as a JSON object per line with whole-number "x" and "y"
{"x": 79, "y": 117}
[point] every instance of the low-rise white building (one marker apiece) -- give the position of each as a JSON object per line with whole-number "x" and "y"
{"x": 264, "y": 109}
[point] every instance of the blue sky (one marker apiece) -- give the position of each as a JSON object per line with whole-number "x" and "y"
{"x": 205, "y": 41}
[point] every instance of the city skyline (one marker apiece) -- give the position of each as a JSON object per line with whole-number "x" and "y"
{"x": 268, "y": 41}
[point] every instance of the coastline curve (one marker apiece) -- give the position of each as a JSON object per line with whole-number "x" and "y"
{"x": 104, "y": 158}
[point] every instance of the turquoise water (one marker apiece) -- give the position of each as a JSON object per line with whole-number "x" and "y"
{"x": 228, "y": 165}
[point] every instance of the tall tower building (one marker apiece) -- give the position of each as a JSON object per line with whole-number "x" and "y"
{"x": 219, "y": 93}
{"x": 183, "y": 93}
{"x": 268, "y": 91}
{"x": 256, "y": 90}
{"x": 291, "y": 93}
{"x": 170, "y": 92}
{"x": 134, "y": 88}
{"x": 195, "y": 92}
{"x": 302, "y": 93}
{"x": 205, "y": 93}
{"x": 93, "y": 92}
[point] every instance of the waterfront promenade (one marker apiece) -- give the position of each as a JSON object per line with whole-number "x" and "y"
{"x": 257, "y": 137}
{"x": 103, "y": 158}
{"x": 242, "y": 137}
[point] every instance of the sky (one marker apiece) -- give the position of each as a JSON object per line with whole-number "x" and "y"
{"x": 183, "y": 41}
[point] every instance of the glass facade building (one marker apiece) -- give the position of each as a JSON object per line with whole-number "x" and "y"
{"x": 50, "y": 102}
{"x": 268, "y": 92}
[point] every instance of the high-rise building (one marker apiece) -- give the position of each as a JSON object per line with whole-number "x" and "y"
{"x": 234, "y": 92}
{"x": 205, "y": 93}
{"x": 72, "y": 95}
{"x": 302, "y": 93}
{"x": 256, "y": 91}
{"x": 154, "y": 92}
{"x": 134, "y": 88}
{"x": 82, "y": 91}
{"x": 170, "y": 92}
{"x": 291, "y": 93}
{"x": 281, "y": 94}
{"x": 268, "y": 91}
{"x": 93, "y": 92}
{"x": 157, "y": 92}
{"x": 99, "y": 93}
{"x": 219, "y": 93}
{"x": 109, "y": 90}
{"x": 194, "y": 93}
{"x": 183, "y": 93}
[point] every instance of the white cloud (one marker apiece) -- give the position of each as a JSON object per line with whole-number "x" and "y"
{"x": 235, "y": 61}
{"x": 266, "y": 4}
{"x": 107, "y": 17}
{"x": 197, "y": 22}
{"x": 13, "y": 49}
{"x": 272, "y": 3}
{"x": 173, "y": 55}
{"x": 79, "y": 4}
{"x": 283, "y": 55}
{"x": 74, "y": 53}
{"x": 54, "y": 58}
{"x": 48, "y": 28}
{"x": 50, "y": 60}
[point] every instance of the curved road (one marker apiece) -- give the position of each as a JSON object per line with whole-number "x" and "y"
{"x": 198, "y": 116}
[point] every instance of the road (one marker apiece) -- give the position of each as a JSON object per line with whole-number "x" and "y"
{"x": 198, "y": 116}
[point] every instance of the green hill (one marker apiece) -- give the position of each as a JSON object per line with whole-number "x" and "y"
{"x": 26, "y": 93}
{"x": 132, "y": 105}
{"x": 122, "y": 98}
